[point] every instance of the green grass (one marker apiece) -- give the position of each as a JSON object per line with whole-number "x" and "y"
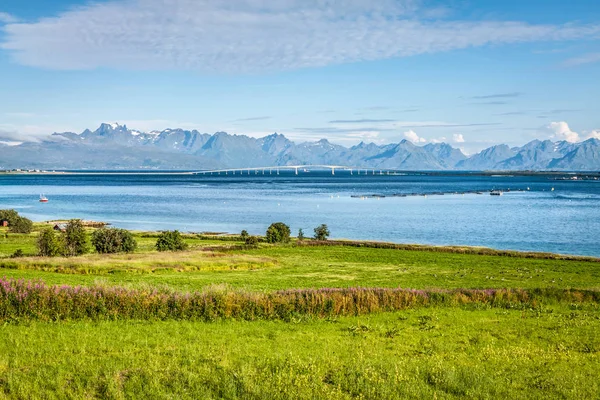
{"x": 470, "y": 351}
{"x": 272, "y": 267}
{"x": 429, "y": 353}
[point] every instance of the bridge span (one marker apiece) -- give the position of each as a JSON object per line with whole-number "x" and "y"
{"x": 296, "y": 168}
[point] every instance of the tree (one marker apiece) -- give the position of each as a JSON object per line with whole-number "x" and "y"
{"x": 170, "y": 241}
{"x": 244, "y": 235}
{"x": 9, "y": 215}
{"x": 75, "y": 238}
{"x": 16, "y": 223}
{"x": 300, "y": 234}
{"x": 113, "y": 240}
{"x": 321, "y": 232}
{"x": 278, "y": 232}
{"x": 49, "y": 244}
{"x": 21, "y": 225}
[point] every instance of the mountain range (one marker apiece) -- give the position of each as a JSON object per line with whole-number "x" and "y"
{"x": 114, "y": 146}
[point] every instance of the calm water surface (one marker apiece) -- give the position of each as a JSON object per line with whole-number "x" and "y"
{"x": 566, "y": 220}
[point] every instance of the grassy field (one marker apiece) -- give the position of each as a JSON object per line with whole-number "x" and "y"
{"x": 545, "y": 349}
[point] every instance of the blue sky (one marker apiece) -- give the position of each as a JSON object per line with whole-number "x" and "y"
{"x": 470, "y": 73}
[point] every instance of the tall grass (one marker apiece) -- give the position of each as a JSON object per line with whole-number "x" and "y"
{"x": 22, "y": 299}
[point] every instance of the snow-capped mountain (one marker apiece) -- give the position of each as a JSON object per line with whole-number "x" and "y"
{"x": 114, "y": 146}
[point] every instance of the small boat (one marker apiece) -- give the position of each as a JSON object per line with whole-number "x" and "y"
{"x": 496, "y": 193}
{"x": 43, "y": 199}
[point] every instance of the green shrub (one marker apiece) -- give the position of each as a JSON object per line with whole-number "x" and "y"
{"x": 75, "y": 238}
{"x": 113, "y": 240}
{"x": 49, "y": 244}
{"x": 278, "y": 232}
{"x": 18, "y": 253}
{"x": 252, "y": 241}
{"x": 170, "y": 241}
{"x": 321, "y": 232}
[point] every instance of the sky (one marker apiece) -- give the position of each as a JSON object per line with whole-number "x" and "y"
{"x": 471, "y": 73}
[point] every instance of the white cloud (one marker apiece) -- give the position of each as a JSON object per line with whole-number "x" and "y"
{"x": 591, "y": 135}
{"x": 561, "y": 131}
{"x": 6, "y": 18}
{"x": 438, "y": 140}
{"x": 458, "y": 138}
{"x": 584, "y": 59}
{"x": 254, "y": 35}
{"x": 413, "y": 137}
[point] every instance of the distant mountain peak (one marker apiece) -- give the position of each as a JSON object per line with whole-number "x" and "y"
{"x": 114, "y": 146}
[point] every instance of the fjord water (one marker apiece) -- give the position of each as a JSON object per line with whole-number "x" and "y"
{"x": 563, "y": 220}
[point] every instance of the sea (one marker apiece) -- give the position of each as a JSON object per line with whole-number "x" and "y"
{"x": 539, "y": 212}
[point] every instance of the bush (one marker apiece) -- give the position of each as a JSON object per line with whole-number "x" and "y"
{"x": 244, "y": 235}
{"x": 321, "y": 232}
{"x": 75, "y": 238}
{"x": 49, "y": 244}
{"x": 170, "y": 241}
{"x": 16, "y": 223}
{"x": 113, "y": 240}
{"x": 18, "y": 253}
{"x": 252, "y": 241}
{"x": 278, "y": 232}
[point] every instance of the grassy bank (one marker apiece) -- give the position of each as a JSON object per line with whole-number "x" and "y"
{"x": 423, "y": 353}
{"x": 275, "y": 268}
{"x": 341, "y": 321}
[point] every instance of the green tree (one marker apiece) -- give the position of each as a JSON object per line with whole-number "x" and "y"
{"x": 170, "y": 241}
{"x": 49, "y": 244}
{"x": 321, "y": 232}
{"x": 16, "y": 223}
{"x": 9, "y": 215}
{"x": 75, "y": 238}
{"x": 21, "y": 225}
{"x": 278, "y": 232}
{"x": 244, "y": 235}
{"x": 300, "y": 234}
{"x": 113, "y": 240}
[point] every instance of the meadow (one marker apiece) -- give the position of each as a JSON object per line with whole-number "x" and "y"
{"x": 221, "y": 320}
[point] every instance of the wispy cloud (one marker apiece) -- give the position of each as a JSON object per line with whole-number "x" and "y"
{"x": 251, "y": 119}
{"x": 6, "y": 18}
{"x": 441, "y": 124}
{"x": 511, "y": 113}
{"x": 360, "y": 121}
{"x": 254, "y": 36}
{"x": 498, "y": 96}
{"x": 489, "y": 103}
{"x": 588, "y": 58}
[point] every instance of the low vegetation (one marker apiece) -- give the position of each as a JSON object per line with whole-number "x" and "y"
{"x": 112, "y": 240}
{"x": 170, "y": 241}
{"x": 234, "y": 317}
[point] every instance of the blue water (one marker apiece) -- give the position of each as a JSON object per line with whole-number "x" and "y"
{"x": 566, "y": 220}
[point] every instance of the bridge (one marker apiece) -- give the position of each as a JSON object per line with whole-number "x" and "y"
{"x": 296, "y": 168}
